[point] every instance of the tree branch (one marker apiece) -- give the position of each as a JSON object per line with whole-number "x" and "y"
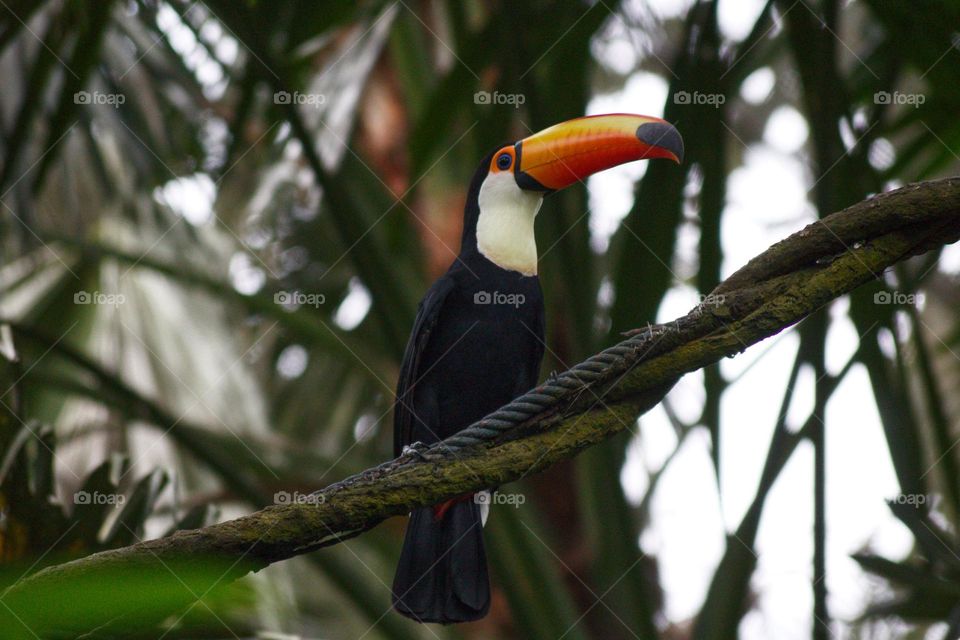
{"x": 778, "y": 288}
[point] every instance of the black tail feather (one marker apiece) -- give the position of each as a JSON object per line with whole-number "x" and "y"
{"x": 442, "y": 573}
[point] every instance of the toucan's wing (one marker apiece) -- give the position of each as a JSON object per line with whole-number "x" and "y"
{"x": 404, "y": 417}
{"x": 540, "y": 331}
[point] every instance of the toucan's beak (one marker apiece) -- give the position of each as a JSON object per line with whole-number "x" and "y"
{"x": 570, "y": 151}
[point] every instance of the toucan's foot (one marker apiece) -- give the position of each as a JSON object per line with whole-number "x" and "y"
{"x": 650, "y": 331}
{"x": 415, "y": 450}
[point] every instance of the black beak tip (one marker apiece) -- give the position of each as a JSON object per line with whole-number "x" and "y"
{"x": 663, "y": 135}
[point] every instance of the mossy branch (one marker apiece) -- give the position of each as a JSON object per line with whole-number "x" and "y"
{"x": 778, "y": 288}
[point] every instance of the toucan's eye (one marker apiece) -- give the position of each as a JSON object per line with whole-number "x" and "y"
{"x": 504, "y": 160}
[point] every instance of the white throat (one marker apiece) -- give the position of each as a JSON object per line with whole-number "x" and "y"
{"x": 505, "y": 225}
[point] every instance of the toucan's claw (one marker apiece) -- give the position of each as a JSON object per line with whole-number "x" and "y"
{"x": 416, "y": 450}
{"x": 650, "y": 331}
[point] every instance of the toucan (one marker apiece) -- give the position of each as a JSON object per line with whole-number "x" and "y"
{"x": 478, "y": 339}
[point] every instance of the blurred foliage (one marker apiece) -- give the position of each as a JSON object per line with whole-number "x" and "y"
{"x": 929, "y": 585}
{"x": 38, "y": 531}
{"x": 218, "y": 216}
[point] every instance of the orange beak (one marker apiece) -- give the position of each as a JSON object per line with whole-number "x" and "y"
{"x": 571, "y": 151}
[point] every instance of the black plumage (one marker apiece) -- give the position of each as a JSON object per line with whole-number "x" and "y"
{"x": 478, "y": 338}
{"x": 477, "y": 343}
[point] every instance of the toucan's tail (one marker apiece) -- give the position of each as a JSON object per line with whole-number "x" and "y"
{"x": 442, "y": 574}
